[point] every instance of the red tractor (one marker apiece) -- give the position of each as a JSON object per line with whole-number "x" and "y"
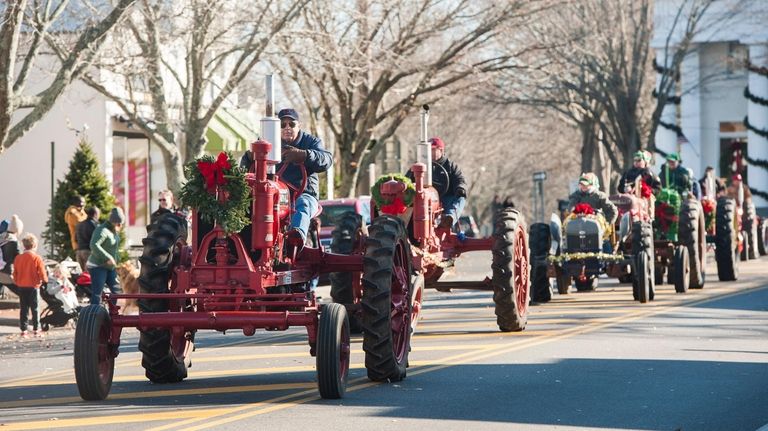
{"x": 224, "y": 281}
{"x": 411, "y": 216}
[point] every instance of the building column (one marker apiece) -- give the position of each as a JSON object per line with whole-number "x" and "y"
{"x": 666, "y": 139}
{"x": 692, "y": 153}
{"x": 758, "y": 117}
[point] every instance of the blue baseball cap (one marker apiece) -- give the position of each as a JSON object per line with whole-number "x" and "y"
{"x": 288, "y": 113}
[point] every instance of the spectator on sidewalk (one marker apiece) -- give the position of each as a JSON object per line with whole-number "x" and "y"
{"x": 84, "y": 232}
{"x": 74, "y": 215}
{"x": 105, "y": 246}
{"x": 9, "y": 249}
{"x": 29, "y": 273}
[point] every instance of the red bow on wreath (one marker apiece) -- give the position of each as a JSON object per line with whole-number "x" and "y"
{"x": 645, "y": 190}
{"x": 583, "y": 208}
{"x": 213, "y": 172}
{"x": 396, "y": 207}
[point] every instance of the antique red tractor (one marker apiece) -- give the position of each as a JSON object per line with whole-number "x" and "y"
{"x": 225, "y": 280}
{"x": 410, "y": 212}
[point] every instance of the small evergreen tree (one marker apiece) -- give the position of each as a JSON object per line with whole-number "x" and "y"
{"x": 85, "y": 178}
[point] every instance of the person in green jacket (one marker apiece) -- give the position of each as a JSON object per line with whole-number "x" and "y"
{"x": 102, "y": 263}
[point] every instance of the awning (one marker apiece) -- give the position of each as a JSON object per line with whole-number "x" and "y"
{"x": 229, "y": 130}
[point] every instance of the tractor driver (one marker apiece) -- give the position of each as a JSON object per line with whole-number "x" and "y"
{"x": 639, "y": 169}
{"x": 299, "y": 148}
{"x": 589, "y": 193}
{"x": 449, "y": 182}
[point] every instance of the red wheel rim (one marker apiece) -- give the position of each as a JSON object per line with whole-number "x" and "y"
{"x": 521, "y": 271}
{"x": 400, "y": 314}
{"x": 344, "y": 353}
{"x": 106, "y": 360}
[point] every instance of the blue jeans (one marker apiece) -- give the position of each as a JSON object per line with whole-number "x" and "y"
{"x": 453, "y": 206}
{"x": 99, "y": 277}
{"x": 306, "y": 206}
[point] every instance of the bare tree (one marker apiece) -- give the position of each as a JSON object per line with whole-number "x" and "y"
{"x": 364, "y": 66}
{"x": 24, "y": 27}
{"x": 177, "y": 63}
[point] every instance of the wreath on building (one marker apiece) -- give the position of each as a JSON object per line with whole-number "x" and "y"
{"x": 217, "y": 189}
{"x": 382, "y": 202}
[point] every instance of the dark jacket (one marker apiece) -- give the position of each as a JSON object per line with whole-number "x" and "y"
{"x": 318, "y": 160}
{"x": 678, "y": 178}
{"x": 84, "y": 232}
{"x": 631, "y": 175}
{"x": 10, "y": 247}
{"x": 447, "y": 178}
{"x": 155, "y": 216}
{"x": 597, "y": 200}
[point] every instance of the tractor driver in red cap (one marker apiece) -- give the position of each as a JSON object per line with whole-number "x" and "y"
{"x": 449, "y": 182}
{"x": 299, "y": 148}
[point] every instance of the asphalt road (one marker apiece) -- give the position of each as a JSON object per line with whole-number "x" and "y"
{"x": 695, "y": 361}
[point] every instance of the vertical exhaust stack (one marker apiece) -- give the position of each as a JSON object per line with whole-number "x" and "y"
{"x": 424, "y": 151}
{"x": 270, "y": 127}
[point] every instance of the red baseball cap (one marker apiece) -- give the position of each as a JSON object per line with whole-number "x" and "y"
{"x": 437, "y": 143}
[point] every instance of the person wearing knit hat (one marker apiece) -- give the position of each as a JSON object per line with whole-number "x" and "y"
{"x": 589, "y": 193}
{"x": 640, "y": 169}
{"x": 105, "y": 252}
{"x": 16, "y": 226}
{"x": 449, "y": 182}
{"x": 674, "y": 175}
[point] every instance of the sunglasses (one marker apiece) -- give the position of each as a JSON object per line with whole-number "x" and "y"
{"x": 291, "y": 124}
{"x": 161, "y": 200}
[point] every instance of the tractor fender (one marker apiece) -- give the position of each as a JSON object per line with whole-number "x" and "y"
{"x": 555, "y": 230}
{"x": 625, "y": 226}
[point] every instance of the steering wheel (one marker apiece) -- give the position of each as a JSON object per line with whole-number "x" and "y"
{"x": 296, "y": 190}
{"x": 441, "y": 185}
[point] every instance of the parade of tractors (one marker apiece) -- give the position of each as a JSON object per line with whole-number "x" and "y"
{"x": 233, "y": 263}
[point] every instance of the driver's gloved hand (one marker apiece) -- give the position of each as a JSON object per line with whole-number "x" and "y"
{"x": 293, "y": 155}
{"x": 460, "y": 192}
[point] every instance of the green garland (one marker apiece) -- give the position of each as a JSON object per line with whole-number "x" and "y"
{"x": 232, "y": 213}
{"x": 565, "y": 257}
{"x": 410, "y": 189}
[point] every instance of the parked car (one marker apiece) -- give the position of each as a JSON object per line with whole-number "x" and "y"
{"x": 333, "y": 209}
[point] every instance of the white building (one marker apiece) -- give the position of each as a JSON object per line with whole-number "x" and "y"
{"x": 713, "y": 78}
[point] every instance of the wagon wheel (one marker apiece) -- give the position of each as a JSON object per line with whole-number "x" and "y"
{"x": 511, "y": 282}
{"x": 344, "y": 238}
{"x": 94, "y": 358}
{"x": 386, "y": 300}
{"x": 681, "y": 269}
{"x": 164, "y": 353}
{"x": 333, "y": 350}
{"x": 726, "y": 241}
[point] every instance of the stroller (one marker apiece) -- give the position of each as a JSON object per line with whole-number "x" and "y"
{"x": 63, "y": 305}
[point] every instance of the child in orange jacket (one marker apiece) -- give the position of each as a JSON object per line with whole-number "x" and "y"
{"x": 29, "y": 274}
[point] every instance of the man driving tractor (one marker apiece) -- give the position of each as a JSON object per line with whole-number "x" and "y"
{"x": 589, "y": 193}
{"x": 299, "y": 148}
{"x": 639, "y": 169}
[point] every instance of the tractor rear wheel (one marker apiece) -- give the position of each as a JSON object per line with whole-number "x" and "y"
{"x": 726, "y": 241}
{"x": 344, "y": 236}
{"x": 333, "y": 349}
{"x": 94, "y": 361}
{"x": 693, "y": 236}
{"x": 539, "y": 239}
{"x": 511, "y": 283}
{"x": 643, "y": 284}
{"x": 681, "y": 269}
{"x": 386, "y": 300}
{"x": 164, "y": 356}
{"x": 762, "y": 231}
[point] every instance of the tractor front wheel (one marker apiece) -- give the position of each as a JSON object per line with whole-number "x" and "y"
{"x": 539, "y": 240}
{"x": 681, "y": 269}
{"x": 344, "y": 238}
{"x": 643, "y": 276}
{"x": 333, "y": 350}
{"x": 386, "y": 300}
{"x": 164, "y": 354}
{"x": 726, "y": 240}
{"x": 94, "y": 359}
{"x": 511, "y": 282}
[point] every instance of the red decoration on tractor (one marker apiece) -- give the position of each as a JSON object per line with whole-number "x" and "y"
{"x": 213, "y": 172}
{"x": 583, "y": 209}
{"x": 645, "y": 190}
{"x": 393, "y": 191}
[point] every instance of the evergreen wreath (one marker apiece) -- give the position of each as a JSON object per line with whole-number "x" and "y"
{"x": 662, "y": 70}
{"x": 757, "y": 69}
{"x": 409, "y": 195}
{"x": 670, "y": 99}
{"x": 753, "y": 98}
{"x": 673, "y": 127}
{"x": 756, "y": 162}
{"x": 217, "y": 189}
{"x": 760, "y": 193}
